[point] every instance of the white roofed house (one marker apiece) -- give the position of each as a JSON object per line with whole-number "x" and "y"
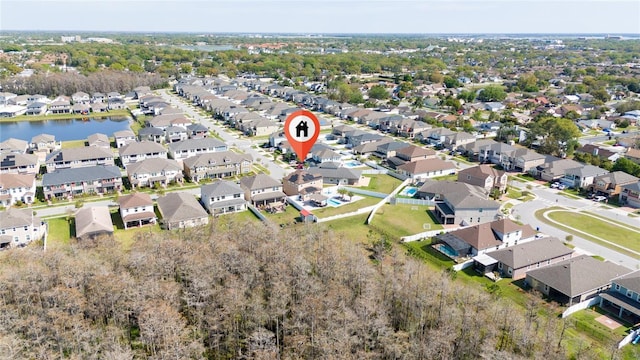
{"x": 18, "y": 227}
{"x": 154, "y": 171}
{"x": 136, "y": 210}
{"x": 420, "y": 170}
{"x": 60, "y": 107}
{"x": 124, "y": 137}
{"x": 191, "y": 147}
{"x": 99, "y": 140}
{"x": 80, "y": 97}
{"x": 45, "y": 143}
{"x": 17, "y": 188}
{"x": 12, "y": 145}
{"x": 175, "y": 134}
{"x": 138, "y": 151}
{"x": 223, "y": 197}
{"x": 216, "y": 165}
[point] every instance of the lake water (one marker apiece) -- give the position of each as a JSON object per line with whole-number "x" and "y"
{"x": 63, "y": 130}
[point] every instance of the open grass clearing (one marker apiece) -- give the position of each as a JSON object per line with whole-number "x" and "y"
{"x": 352, "y": 228}
{"x": 404, "y": 219}
{"x": 347, "y": 208}
{"x": 382, "y": 183}
{"x": 73, "y": 144}
{"x": 570, "y": 222}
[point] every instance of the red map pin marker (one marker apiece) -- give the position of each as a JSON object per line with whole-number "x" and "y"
{"x": 302, "y": 129}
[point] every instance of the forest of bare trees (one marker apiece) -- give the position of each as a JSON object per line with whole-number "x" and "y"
{"x": 243, "y": 291}
{"x": 55, "y": 84}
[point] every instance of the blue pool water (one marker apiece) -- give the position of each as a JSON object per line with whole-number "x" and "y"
{"x": 447, "y": 250}
{"x": 334, "y": 202}
{"x": 409, "y": 191}
{"x": 352, "y": 164}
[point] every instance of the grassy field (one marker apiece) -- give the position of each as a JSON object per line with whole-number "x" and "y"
{"x": 353, "y": 206}
{"x": 352, "y": 228}
{"x": 73, "y": 144}
{"x": 382, "y": 183}
{"x": 287, "y": 217}
{"x": 588, "y": 227}
{"x": 403, "y": 219}
{"x": 122, "y": 112}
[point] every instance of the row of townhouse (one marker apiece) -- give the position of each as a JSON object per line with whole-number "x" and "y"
{"x": 78, "y": 103}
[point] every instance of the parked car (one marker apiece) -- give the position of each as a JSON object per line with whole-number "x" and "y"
{"x": 561, "y": 187}
{"x": 600, "y": 198}
{"x": 555, "y": 185}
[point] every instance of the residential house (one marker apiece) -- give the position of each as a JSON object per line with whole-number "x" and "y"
{"x": 152, "y": 134}
{"x": 523, "y": 160}
{"x": 12, "y": 145}
{"x": 124, "y": 137}
{"x": 435, "y": 136}
{"x": 575, "y": 280}
{"x": 99, "y": 140}
{"x": 302, "y": 182}
{"x": 494, "y": 106}
{"x": 66, "y": 183}
{"x": 459, "y": 203}
{"x": 630, "y": 195}
{"x": 78, "y": 157}
{"x": 191, "y": 147}
{"x": 458, "y": 139}
{"x": 181, "y": 210}
{"x": 623, "y": 297}
{"x": 515, "y": 261}
{"x": 421, "y": 170}
{"x": 596, "y": 124}
{"x": 633, "y": 155}
{"x": 223, "y": 197}
{"x": 415, "y": 153}
{"x": 14, "y": 163}
{"x": 322, "y": 153}
{"x": 216, "y": 165}
{"x": 44, "y": 143}
{"x": 98, "y": 97}
{"x": 138, "y": 151}
{"x": 496, "y": 153}
{"x": 116, "y": 104}
{"x": 611, "y": 184}
{"x": 472, "y": 241}
{"x": 389, "y": 149}
{"x": 477, "y": 148}
{"x": 18, "y": 227}
{"x": 154, "y": 171}
{"x": 136, "y": 210}
{"x": 485, "y": 176}
{"x": 175, "y": 134}
{"x": 197, "y": 131}
{"x": 164, "y": 121}
{"x": 370, "y": 147}
{"x": 36, "y": 108}
{"x": 93, "y": 222}
{"x": 82, "y": 109}
{"x": 582, "y": 177}
{"x": 60, "y": 107}
{"x": 262, "y": 190}
{"x": 335, "y": 173}
{"x": 598, "y": 151}
{"x": 80, "y": 98}
{"x": 38, "y": 98}
{"x": 99, "y": 107}
{"x": 554, "y": 168}
{"x": 17, "y": 187}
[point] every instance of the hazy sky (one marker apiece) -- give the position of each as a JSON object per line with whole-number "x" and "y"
{"x": 325, "y": 16}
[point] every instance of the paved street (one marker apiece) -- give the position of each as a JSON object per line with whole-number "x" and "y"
{"x": 547, "y": 198}
{"x": 232, "y": 139}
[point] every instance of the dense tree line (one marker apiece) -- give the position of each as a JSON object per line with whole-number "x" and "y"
{"x": 68, "y": 83}
{"x": 249, "y": 291}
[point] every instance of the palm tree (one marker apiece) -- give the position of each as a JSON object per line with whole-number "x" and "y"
{"x": 350, "y": 194}
{"x": 342, "y": 192}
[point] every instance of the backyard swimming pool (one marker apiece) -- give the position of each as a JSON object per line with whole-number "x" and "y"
{"x": 333, "y": 202}
{"x": 409, "y": 191}
{"x": 447, "y": 250}
{"x": 352, "y": 164}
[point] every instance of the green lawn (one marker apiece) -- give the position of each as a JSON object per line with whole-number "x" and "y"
{"x": 403, "y": 219}
{"x": 60, "y": 232}
{"x": 382, "y": 183}
{"x": 73, "y": 144}
{"x": 453, "y": 177}
{"x": 352, "y": 228}
{"x": 596, "y": 227}
{"x": 287, "y": 217}
{"x": 350, "y": 207}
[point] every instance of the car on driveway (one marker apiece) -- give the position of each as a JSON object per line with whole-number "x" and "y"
{"x": 555, "y": 185}
{"x": 600, "y": 198}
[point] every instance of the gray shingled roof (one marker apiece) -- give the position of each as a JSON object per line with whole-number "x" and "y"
{"x": 630, "y": 281}
{"x": 14, "y": 217}
{"x": 153, "y": 165}
{"x": 143, "y": 147}
{"x": 531, "y": 252}
{"x": 81, "y": 153}
{"x": 219, "y": 188}
{"x": 341, "y": 172}
{"x": 179, "y": 206}
{"x": 93, "y": 220}
{"x": 190, "y": 144}
{"x": 8, "y": 160}
{"x": 578, "y": 275}
{"x": 259, "y": 181}
{"x": 89, "y": 173}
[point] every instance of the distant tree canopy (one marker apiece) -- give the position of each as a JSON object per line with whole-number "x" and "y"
{"x": 492, "y": 93}
{"x": 378, "y": 92}
{"x": 557, "y": 136}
